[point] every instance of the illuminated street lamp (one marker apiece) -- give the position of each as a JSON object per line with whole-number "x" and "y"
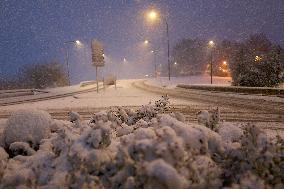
{"x": 211, "y": 45}
{"x": 225, "y": 63}
{"x": 146, "y": 41}
{"x": 153, "y": 15}
{"x": 77, "y": 43}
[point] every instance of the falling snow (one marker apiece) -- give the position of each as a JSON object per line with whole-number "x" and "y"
{"x": 35, "y": 32}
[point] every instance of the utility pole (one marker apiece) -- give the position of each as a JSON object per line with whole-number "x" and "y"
{"x": 211, "y": 45}
{"x": 211, "y": 66}
{"x": 67, "y": 64}
{"x": 155, "y": 61}
{"x": 168, "y": 39}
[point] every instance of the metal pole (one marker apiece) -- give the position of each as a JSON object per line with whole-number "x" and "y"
{"x": 67, "y": 63}
{"x": 97, "y": 79}
{"x": 169, "y": 65}
{"x": 211, "y": 65}
{"x": 155, "y": 62}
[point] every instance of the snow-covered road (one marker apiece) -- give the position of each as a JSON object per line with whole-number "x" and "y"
{"x": 124, "y": 95}
{"x": 234, "y": 108}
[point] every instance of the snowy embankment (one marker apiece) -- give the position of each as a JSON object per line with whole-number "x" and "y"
{"x": 221, "y": 84}
{"x": 47, "y": 94}
{"x": 190, "y": 80}
{"x": 122, "y": 148}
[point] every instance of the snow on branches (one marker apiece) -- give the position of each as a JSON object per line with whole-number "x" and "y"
{"x": 144, "y": 148}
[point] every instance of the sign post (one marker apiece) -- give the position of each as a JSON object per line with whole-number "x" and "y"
{"x": 97, "y": 57}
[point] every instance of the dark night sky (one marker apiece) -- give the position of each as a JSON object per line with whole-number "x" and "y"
{"x": 34, "y": 31}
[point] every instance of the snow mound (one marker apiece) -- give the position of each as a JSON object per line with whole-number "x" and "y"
{"x": 230, "y": 132}
{"x": 147, "y": 148}
{"x": 162, "y": 174}
{"x": 2, "y": 142}
{"x": 21, "y": 148}
{"x": 30, "y": 126}
{"x": 3, "y": 154}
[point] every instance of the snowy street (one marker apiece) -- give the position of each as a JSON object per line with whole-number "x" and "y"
{"x": 124, "y": 95}
{"x": 134, "y": 93}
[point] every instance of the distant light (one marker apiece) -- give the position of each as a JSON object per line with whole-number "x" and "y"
{"x": 78, "y": 42}
{"x": 223, "y": 70}
{"x": 103, "y": 55}
{"x": 175, "y": 63}
{"x": 152, "y": 51}
{"x": 146, "y": 75}
{"x": 124, "y": 59}
{"x": 257, "y": 58}
{"x": 146, "y": 41}
{"x": 225, "y": 62}
{"x": 211, "y": 43}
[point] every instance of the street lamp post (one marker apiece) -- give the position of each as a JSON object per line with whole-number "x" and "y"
{"x": 155, "y": 61}
{"x": 67, "y": 64}
{"x": 77, "y": 42}
{"x": 153, "y": 16}
{"x": 168, "y": 39}
{"x": 211, "y": 67}
{"x": 211, "y": 45}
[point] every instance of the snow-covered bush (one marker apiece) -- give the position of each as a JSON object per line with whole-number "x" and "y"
{"x": 28, "y": 126}
{"x": 256, "y": 155}
{"x": 155, "y": 151}
{"x": 209, "y": 118}
{"x": 3, "y": 155}
{"x": 130, "y": 117}
{"x": 21, "y": 148}
{"x": 2, "y": 142}
{"x": 230, "y": 133}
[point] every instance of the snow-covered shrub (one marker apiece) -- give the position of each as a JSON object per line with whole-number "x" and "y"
{"x": 75, "y": 118}
{"x": 159, "y": 174}
{"x": 2, "y": 141}
{"x": 21, "y": 148}
{"x": 3, "y": 154}
{"x": 128, "y": 116}
{"x": 257, "y": 155}
{"x": 209, "y": 118}
{"x": 30, "y": 126}
{"x": 230, "y": 133}
{"x": 152, "y": 152}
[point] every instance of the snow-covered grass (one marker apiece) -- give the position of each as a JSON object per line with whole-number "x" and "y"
{"x": 203, "y": 80}
{"x": 190, "y": 80}
{"x": 146, "y": 148}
